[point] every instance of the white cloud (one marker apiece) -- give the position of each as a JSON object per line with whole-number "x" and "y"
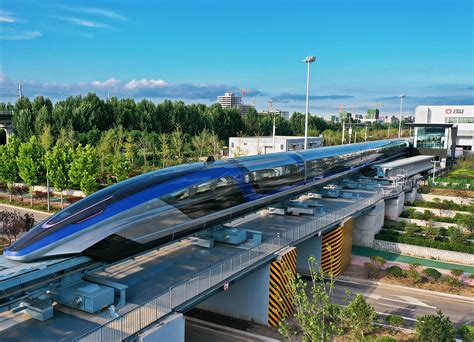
{"x": 145, "y": 84}
{"x": 7, "y": 17}
{"x": 102, "y": 12}
{"x": 110, "y": 83}
{"x": 11, "y": 34}
{"x": 86, "y": 22}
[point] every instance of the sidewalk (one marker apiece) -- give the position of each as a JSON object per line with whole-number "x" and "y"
{"x": 368, "y": 252}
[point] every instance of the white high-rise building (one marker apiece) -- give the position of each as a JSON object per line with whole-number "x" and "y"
{"x": 229, "y": 100}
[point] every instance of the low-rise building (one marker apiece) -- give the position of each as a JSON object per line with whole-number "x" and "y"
{"x": 249, "y": 146}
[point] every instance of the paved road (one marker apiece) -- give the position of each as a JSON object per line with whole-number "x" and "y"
{"x": 199, "y": 331}
{"x": 407, "y": 302}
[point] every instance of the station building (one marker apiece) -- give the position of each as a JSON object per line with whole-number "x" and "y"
{"x": 435, "y": 121}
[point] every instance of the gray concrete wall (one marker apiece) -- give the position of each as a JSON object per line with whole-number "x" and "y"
{"x": 170, "y": 329}
{"x": 425, "y": 252}
{"x": 366, "y": 226}
{"x": 246, "y": 299}
{"x": 306, "y": 249}
{"x": 394, "y": 207}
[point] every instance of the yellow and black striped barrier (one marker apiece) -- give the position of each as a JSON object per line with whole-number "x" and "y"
{"x": 331, "y": 251}
{"x": 280, "y": 304}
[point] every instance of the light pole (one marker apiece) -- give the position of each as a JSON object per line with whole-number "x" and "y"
{"x": 400, "y": 116}
{"x": 308, "y": 60}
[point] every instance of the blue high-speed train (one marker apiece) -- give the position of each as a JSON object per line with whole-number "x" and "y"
{"x": 161, "y": 206}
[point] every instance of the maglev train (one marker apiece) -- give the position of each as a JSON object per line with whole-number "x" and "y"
{"x": 164, "y": 205}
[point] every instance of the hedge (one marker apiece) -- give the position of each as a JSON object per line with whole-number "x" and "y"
{"x": 425, "y": 243}
{"x": 444, "y": 205}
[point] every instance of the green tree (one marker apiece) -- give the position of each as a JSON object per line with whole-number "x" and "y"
{"x": 30, "y": 163}
{"x": 456, "y": 236}
{"x": 46, "y": 139}
{"x": 120, "y": 167}
{"x": 359, "y": 316}
{"x": 178, "y": 142}
{"x": 434, "y": 328}
{"x": 9, "y": 166}
{"x": 23, "y": 119}
{"x": 58, "y": 163}
{"x": 316, "y": 315}
{"x": 84, "y": 168}
{"x": 165, "y": 150}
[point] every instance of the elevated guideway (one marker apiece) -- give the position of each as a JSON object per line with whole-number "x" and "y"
{"x": 177, "y": 277}
{"x": 182, "y": 280}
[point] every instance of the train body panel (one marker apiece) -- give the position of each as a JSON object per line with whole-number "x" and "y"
{"x": 163, "y": 205}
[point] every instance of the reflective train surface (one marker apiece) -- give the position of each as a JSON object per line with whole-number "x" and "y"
{"x": 160, "y": 206}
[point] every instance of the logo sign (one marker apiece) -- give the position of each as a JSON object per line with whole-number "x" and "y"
{"x": 226, "y": 286}
{"x": 454, "y": 111}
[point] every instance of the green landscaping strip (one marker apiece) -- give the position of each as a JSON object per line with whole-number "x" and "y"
{"x": 368, "y": 252}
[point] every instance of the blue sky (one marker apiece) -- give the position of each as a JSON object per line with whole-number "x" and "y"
{"x": 369, "y": 51}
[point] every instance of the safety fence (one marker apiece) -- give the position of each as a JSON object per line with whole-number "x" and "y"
{"x": 144, "y": 315}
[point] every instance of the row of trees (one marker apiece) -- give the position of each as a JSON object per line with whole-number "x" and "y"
{"x": 117, "y": 156}
{"x": 90, "y": 115}
{"x": 87, "y": 117}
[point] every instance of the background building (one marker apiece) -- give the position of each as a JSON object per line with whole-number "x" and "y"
{"x": 229, "y": 100}
{"x": 461, "y": 118}
{"x": 285, "y": 114}
{"x": 250, "y": 146}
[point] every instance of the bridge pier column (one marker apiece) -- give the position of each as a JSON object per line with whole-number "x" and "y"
{"x": 331, "y": 249}
{"x": 369, "y": 224}
{"x": 394, "y": 207}
{"x": 261, "y": 296}
{"x": 410, "y": 196}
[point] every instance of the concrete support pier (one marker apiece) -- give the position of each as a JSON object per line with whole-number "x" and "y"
{"x": 367, "y": 225}
{"x": 307, "y": 249}
{"x": 262, "y": 296}
{"x": 410, "y": 196}
{"x": 394, "y": 207}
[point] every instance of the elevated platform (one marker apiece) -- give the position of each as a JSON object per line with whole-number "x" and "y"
{"x": 406, "y": 167}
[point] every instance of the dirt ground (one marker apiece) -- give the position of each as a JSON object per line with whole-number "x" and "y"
{"x": 358, "y": 271}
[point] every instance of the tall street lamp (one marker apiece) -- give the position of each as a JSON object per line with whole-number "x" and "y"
{"x": 400, "y": 116}
{"x": 308, "y": 60}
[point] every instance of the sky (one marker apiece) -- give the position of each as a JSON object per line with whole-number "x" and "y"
{"x": 368, "y": 51}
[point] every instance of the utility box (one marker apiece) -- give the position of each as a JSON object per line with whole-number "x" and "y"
{"x": 87, "y": 296}
{"x": 234, "y": 236}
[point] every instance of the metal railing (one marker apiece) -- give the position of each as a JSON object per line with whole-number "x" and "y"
{"x": 142, "y": 316}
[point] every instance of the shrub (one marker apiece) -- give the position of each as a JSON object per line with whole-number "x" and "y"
{"x": 454, "y": 282}
{"x": 378, "y": 261}
{"x": 466, "y": 332}
{"x": 414, "y": 276}
{"x": 457, "y": 272}
{"x": 414, "y": 266}
{"x": 419, "y": 241}
{"x": 394, "y": 271}
{"x": 394, "y": 320}
{"x": 41, "y": 195}
{"x": 359, "y": 316}
{"x": 434, "y": 328}
{"x": 385, "y": 339}
{"x": 432, "y": 273}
